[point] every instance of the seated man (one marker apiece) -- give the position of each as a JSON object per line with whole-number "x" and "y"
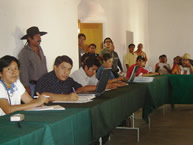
{"x": 57, "y": 84}
{"x": 141, "y": 71}
{"x": 185, "y": 67}
{"x": 163, "y": 67}
{"x": 86, "y": 74}
{"x": 107, "y": 62}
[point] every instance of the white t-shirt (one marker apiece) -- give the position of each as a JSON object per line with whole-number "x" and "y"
{"x": 15, "y": 96}
{"x": 81, "y": 77}
{"x": 185, "y": 70}
{"x": 162, "y": 70}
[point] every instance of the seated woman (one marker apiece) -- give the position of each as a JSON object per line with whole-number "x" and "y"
{"x": 177, "y": 60}
{"x": 185, "y": 67}
{"x": 141, "y": 71}
{"x": 12, "y": 92}
{"x": 107, "y": 62}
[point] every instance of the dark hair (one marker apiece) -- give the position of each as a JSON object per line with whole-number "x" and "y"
{"x": 140, "y": 58}
{"x": 92, "y": 45}
{"x": 81, "y": 35}
{"x": 108, "y": 38}
{"x": 6, "y": 60}
{"x": 130, "y": 45}
{"x": 107, "y": 56}
{"x": 28, "y": 39}
{"x": 163, "y": 55}
{"x": 85, "y": 56}
{"x": 91, "y": 61}
{"x": 61, "y": 59}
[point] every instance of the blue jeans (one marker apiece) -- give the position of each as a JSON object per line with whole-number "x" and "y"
{"x": 32, "y": 88}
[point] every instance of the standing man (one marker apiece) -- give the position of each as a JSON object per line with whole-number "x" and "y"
{"x": 81, "y": 41}
{"x": 109, "y": 48}
{"x": 32, "y": 59}
{"x": 130, "y": 57}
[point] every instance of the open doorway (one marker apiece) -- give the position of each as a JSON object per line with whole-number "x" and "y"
{"x": 94, "y": 34}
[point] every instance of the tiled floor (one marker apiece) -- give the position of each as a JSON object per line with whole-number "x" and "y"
{"x": 174, "y": 127}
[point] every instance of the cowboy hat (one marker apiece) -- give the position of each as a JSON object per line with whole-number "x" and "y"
{"x": 32, "y": 31}
{"x": 186, "y": 56}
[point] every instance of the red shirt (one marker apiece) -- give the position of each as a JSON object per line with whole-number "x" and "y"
{"x": 139, "y": 71}
{"x": 156, "y": 66}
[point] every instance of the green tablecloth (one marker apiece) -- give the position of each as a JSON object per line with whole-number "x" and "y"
{"x": 109, "y": 110}
{"x": 68, "y": 127}
{"x": 157, "y": 94}
{"x": 81, "y": 124}
{"x": 181, "y": 89}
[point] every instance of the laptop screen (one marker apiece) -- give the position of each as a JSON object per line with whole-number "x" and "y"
{"x": 133, "y": 74}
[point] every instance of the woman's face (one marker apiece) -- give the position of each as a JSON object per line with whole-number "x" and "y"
{"x": 10, "y": 73}
{"x": 108, "y": 63}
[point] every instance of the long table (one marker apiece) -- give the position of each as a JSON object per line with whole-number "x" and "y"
{"x": 109, "y": 110}
{"x": 68, "y": 127}
{"x": 81, "y": 124}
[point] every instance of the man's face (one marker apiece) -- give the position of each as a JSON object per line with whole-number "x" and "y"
{"x": 163, "y": 59}
{"x": 140, "y": 63}
{"x": 108, "y": 43}
{"x": 131, "y": 49}
{"x": 81, "y": 41}
{"x": 35, "y": 40}
{"x": 63, "y": 70}
{"x": 90, "y": 71}
{"x": 92, "y": 49}
{"x": 185, "y": 62}
{"x": 108, "y": 63}
{"x": 10, "y": 73}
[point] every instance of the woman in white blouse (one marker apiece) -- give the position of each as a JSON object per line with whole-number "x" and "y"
{"x": 12, "y": 92}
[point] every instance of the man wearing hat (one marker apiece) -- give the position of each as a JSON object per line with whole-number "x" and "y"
{"x": 32, "y": 59}
{"x": 185, "y": 67}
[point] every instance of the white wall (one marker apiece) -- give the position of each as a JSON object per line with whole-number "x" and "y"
{"x": 171, "y": 28}
{"x": 58, "y": 18}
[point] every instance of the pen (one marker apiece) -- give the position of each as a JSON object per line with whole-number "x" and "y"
{"x": 73, "y": 90}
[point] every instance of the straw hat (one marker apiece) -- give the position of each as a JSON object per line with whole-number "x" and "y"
{"x": 186, "y": 56}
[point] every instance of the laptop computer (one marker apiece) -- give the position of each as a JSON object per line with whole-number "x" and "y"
{"x": 139, "y": 79}
{"x": 101, "y": 85}
{"x": 133, "y": 74}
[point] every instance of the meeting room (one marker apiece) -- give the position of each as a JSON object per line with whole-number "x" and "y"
{"x": 96, "y": 72}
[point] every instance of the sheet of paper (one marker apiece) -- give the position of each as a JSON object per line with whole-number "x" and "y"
{"x": 78, "y": 101}
{"x": 83, "y": 97}
{"x": 143, "y": 79}
{"x": 43, "y": 108}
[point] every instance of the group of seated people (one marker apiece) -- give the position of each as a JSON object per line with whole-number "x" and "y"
{"x": 59, "y": 85}
{"x": 181, "y": 65}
